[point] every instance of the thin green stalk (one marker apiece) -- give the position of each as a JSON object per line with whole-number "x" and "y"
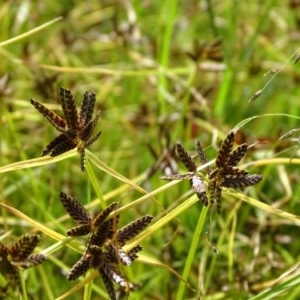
{"x": 231, "y": 245}
{"x": 191, "y": 254}
{"x": 30, "y": 32}
{"x": 88, "y": 290}
{"x": 93, "y": 180}
{"x": 46, "y": 283}
{"x": 23, "y": 287}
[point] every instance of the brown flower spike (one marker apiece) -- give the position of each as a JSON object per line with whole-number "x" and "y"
{"x": 76, "y": 129}
{"x": 19, "y": 255}
{"x": 80, "y": 215}
{"x": 224, "y": 175}
{"x": 103, "y": 250}
{"x": 104, "y": 253}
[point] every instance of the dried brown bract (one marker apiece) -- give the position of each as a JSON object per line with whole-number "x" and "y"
{"x": 19, "y": 255}
{"x": 76, "y": 129}
{"x": 103, "y": 250}
{"x": 226, "y": 174}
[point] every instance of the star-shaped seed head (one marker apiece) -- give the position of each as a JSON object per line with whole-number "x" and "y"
{"x": 226, "y": 174}
{"x": 103, "y": 250}
{"x": 19, "y": 255}
{"x": 76, "y": 129}
{"x": 86, "y": 224}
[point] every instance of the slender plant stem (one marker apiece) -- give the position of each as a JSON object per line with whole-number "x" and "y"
{"x": 92, "y": 178}
{"x": 191, "y": 254}
{"x": 23, "y": 287}
{"x": 88, "y": 290}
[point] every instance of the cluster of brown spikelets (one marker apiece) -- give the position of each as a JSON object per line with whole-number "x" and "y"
{"x": 103, "y": 250}
{"x": 226, "y": 174}
{"x": 19, "y": 255}
{"x": 76, "y": 129}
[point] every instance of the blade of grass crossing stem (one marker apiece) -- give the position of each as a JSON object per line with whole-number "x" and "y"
{"x": 191, "y": 254}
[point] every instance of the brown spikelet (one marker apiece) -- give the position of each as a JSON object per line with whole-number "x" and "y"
{"x": 212, "y": 191}
{"x": 233, "y": 171}
{"x": 236, "y": 155}
{"x": 24, "y": 247}
{"x": 89, "y": 128}
{"x": 90, "y": 141}
{"x": 87, "y": 107}
{"x": 108, "y": 285}
{"x": 202, "y": 156}
{"x": 64, "y": 146}
{"x": 35, "y": 259}
{"x": 19, "y": 255}
{"x": 203, "y": 198}
{"x": 114, "y": 222}
{"x": 105, "y": 231}
{"x": 104, "y": 214}
{"x": 79, "y": 230}
{"x": 132, "y": 253}
{"x": 132, "y": 229}
{"x": 5, "y": 266}
{"x": 54, "y": 119}
{"x": 32, "y": 260}
{"x": 69, "y": 107}
{"x": 225, "y": 150}
{"x": 81, "y": 267}
{"x": 235, "y": 181}
{"x": 75, "y": 209}
{"x": 218, "y": 194}
{"x": 60, "y": 142}
{"x": 185, "y": 158}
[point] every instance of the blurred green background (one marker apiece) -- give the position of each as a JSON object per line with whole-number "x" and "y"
{"x": 163, "y": 71}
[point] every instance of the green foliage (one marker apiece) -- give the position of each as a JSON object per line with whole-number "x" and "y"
{"x": 164, "y": 73}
